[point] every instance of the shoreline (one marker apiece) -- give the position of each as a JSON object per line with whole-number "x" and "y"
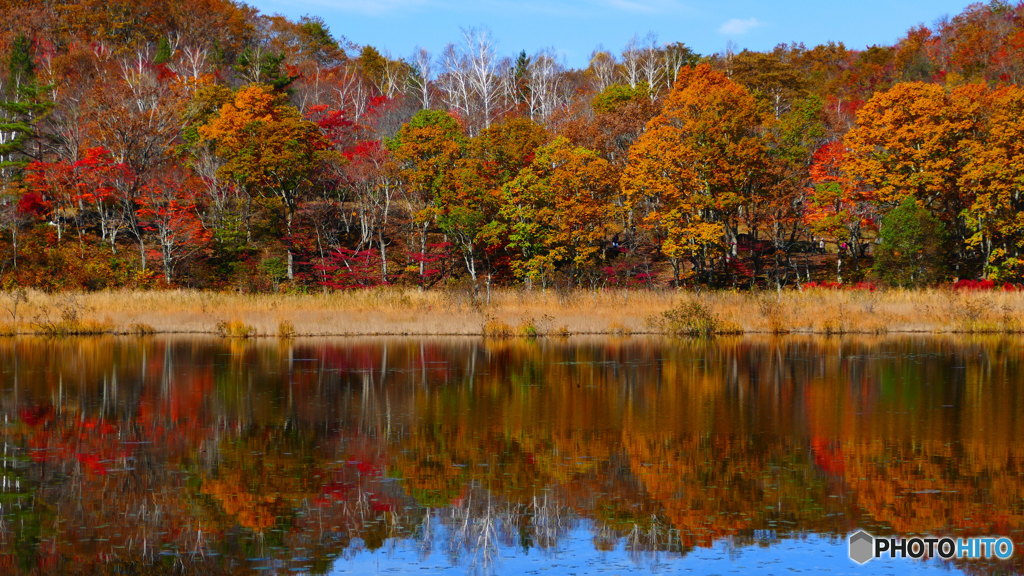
{"x": 512, "y": 313}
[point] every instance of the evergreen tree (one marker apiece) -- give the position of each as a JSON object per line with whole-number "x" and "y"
{"x": 22, "y": 106}
{"x": 163, "y": 51}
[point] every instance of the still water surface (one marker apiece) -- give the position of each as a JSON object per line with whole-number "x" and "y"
{"x": 455, "y": 456}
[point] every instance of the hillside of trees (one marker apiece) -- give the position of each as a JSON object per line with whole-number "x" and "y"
{"x": 199, "y": 143}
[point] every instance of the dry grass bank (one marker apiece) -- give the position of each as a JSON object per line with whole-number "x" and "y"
{"x": 511, "y": 312}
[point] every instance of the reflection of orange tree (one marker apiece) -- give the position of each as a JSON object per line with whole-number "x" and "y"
{"x": 712, "y": 486}
{"x": 263, "y": 476}
{"x": 438, "y": 466}
{"x": 920, "y": 450}
{"x": 937, "y": 487}
{"x": 543, "y": 416}
{"x": 705, "y": 491}
{"x": 526, "y": 422}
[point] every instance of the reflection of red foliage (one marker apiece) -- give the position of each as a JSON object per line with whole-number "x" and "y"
{"x": 828, "y": 457}
{"x": 92, "y": 463}
{"x": 366, "y": 468}
{"x": 335, "y": 492}
{"x": 92, "y": 442}
{"x": 378, "y": 505}
{"x": 36, "y": 415}
{"x": 351, "y": 480}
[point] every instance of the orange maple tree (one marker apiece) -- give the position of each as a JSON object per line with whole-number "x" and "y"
{"x": 693, "y": 168}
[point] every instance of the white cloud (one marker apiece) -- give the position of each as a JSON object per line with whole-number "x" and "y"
{"x": 739, "y": 26}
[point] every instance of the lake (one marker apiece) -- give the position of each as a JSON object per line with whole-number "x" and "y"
{"x": 196, "y": 455}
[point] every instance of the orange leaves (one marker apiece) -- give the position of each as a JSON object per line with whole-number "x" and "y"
{"x": 993, "y": 171}
{"x": 693, "y": 168}
{"x": 955, "y": 150}
{"x": 910, "y": 140}
{"x": 266, "y": 144}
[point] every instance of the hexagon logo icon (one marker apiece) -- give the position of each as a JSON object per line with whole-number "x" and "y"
{"x": 862, "y": 547}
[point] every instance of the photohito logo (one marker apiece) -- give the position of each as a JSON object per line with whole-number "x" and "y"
{"x": 864, "y": 547}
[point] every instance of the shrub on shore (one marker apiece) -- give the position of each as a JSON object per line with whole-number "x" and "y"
{"x": 235, "y": 329}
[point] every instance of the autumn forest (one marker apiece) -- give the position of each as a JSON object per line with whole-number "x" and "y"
{"x": 199, "y": 143}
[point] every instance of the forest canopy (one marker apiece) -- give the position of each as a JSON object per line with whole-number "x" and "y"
{"x": 200, "y": 143}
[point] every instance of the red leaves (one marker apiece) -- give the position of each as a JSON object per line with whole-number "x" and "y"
{"x": 92, "y": 442}
{"x": 433, "y": 259}
{"x": 36, "y": 415}
{"x": 167, "y": 210}
{"x": 985, "y": 285}
{"x": 32, "y": 203}
{"x": 92, "y": 179}
{"x": 364, "y": 150}
{"x": 338, "y": 129}
{"x": 828, "y": 456}
{"x": 347, "y": 269}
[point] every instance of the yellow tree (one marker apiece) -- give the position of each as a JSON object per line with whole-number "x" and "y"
{"x": 558, "y": 211}
{"x": 688, "y": 175}
{"x": 467, "y": 209}
{"x": 994, "y": 174}
{"x": 268, "y": 148}
{"x": 425, "y": 151}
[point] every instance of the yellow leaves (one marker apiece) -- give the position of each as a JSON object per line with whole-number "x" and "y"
{"x": 993, "y": 172}
{"x": 559, "y": 208}
{"x": 658, "y": 172}
{"x": 686, "y": 234}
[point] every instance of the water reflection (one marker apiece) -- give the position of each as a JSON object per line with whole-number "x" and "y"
{"x": 195, "y": 455}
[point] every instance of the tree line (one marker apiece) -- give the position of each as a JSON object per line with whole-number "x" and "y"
{"x": 203, "y": 144}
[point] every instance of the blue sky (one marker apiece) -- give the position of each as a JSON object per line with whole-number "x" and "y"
{"x": 574, "y": 28}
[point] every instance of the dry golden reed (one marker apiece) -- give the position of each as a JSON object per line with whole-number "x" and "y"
{"x": 513, "y": 312}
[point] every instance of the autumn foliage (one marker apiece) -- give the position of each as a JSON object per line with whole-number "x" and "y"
{"x": 200, "y": 143}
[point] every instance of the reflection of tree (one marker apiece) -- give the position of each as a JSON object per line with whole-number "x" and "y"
{"x": 472, "y": 529}
{"x": 714, "y": 487}
{"x": 132, "y": 452}
{"x": 477, "y": 524}
{"x": 17, "y": 492}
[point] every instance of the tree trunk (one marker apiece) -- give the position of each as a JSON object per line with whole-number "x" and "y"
{"x": 142, "y": 254}
{"x": 423, "y": 252}
{"x": 168, "y": 271}
{"x": 288, "y": 213}
{"x": 383, "y": 256}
